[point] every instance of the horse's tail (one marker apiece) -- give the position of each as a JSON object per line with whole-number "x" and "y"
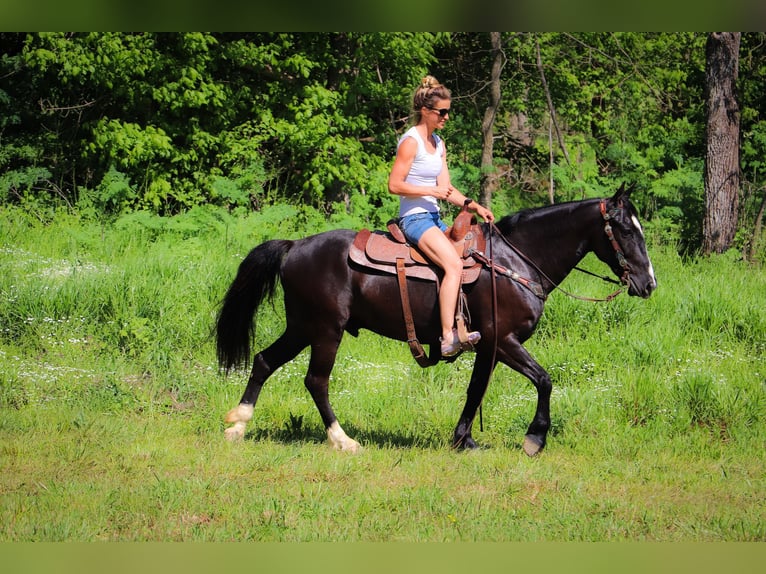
{"x": 256, "y": 280}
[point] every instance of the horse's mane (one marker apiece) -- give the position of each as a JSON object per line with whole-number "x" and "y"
{"x": 509, "y": 222}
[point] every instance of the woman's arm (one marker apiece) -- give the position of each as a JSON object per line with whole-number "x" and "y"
{"x": 455, "y": 197}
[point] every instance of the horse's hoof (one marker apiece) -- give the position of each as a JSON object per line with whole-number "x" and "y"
{"x": 339, "y": 440}
{"x": 532, "y": 445}
{"x": 240, "y": 413}
{"x": 235, "y": 433}
{"x": 348, "y": 445}
{"x": 351, "y": 447}
{"x": 466, "y": 443}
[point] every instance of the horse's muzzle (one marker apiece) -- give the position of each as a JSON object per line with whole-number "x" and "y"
{"x": 642, "y": 287}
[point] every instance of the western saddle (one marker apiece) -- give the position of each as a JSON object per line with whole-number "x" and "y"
{"x": 389, "y": 252}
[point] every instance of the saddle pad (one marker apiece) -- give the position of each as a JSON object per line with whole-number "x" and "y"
{"x": 359, "y": 254}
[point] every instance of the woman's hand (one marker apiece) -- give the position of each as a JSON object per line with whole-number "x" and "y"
{"x": 443, "y": 191}
{"x": 484, "y": 213}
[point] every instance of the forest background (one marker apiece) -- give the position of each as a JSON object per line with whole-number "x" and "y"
{"x": 155, "y": 124}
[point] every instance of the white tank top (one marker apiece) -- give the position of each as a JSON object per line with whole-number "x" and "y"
{"x": 424, "y": 170}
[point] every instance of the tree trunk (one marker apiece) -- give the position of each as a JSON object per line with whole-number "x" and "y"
{"x": 755, "y": 240}
{"x": 553, "y": 122}
{"x": 488, "y": 172}
{"x": 722, "y": 137}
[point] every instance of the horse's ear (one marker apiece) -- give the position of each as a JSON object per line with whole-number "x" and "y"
{"x": 623, "y": 193}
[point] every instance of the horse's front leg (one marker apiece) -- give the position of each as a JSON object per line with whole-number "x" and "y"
{"x": 482, "y": 371}
{"x": 518, "y": 358}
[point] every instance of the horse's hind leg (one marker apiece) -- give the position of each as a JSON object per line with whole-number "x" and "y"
{"x": 265, "y": 363}
{"x": 317, "y": 382}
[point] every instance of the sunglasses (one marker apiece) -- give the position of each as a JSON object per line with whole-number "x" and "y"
{"x": 441, "y": 111}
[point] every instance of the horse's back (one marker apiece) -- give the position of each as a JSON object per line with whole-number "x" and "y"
{"x": 315, "y": 270}
{"x": 326, "y": 252}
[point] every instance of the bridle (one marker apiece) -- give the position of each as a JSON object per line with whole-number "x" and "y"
{"x": 607, "y": 215}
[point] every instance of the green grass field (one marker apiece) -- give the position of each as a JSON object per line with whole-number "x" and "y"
{"x": 111, "y": 406}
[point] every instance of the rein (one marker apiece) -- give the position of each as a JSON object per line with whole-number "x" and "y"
{"x": 530, "y": 284}
{"x": 493, "y": 282}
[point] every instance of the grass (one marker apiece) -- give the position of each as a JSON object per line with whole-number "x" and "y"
{"x": 111, "y": 407}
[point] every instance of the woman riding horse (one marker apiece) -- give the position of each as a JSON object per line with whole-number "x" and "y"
{"x": 538, "y": 247}
{"x": 420, "y": 177}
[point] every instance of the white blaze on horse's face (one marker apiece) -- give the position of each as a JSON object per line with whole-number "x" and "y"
{"x": 637, "y": 225}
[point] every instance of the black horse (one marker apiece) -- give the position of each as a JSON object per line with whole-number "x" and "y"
{"x": 325, "y": 294}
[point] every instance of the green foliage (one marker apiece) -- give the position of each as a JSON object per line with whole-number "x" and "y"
{"x": 246, "y": 120}
{"x": 231, "y": 192}
{"x": 129, "y": 145}
{"x": 19, "y": 183}
{"x": 114, "y": 193}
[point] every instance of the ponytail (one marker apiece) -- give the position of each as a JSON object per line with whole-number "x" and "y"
{"x": 429, "y": 90}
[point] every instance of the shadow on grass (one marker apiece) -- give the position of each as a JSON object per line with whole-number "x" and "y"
{"x": 308, "y": 434}
{"x": 381, "y": 439}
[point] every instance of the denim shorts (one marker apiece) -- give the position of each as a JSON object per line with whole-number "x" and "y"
{"x": 415, "y": 225}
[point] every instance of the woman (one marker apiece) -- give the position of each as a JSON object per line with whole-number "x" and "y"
{"x": 420, "y": 178}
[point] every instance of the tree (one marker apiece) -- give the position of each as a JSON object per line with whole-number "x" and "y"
{"x": 488, "y": 172}
{"x": 114, "y": 121}
{"x": 182, "y": 119}
{"x": 722, "y": 136}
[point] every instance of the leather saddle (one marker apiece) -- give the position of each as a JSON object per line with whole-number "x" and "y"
{"x": 389, "y": 252}
{"x": 380, "y": 250}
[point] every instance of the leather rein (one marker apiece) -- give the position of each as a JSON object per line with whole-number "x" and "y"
{"x": 536, "y": 288}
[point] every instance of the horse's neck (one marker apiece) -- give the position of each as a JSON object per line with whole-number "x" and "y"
{"x": 556, "y": 240}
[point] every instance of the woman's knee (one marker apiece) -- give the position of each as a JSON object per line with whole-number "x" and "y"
{"x": 453, "y": 266}
{"x": 452, "y": 263}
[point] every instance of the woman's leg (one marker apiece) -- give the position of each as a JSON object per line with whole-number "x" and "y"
{"x": 440, "y": 250}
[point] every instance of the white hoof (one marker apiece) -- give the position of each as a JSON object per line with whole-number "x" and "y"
{"x": 236, "y": 432}
{"x": 532, "y": 447}
{"x": 239, "y": 415}
{"x": 338, "y": 440}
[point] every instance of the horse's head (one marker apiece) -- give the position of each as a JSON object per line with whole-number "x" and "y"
{"x": 622, "y": 245}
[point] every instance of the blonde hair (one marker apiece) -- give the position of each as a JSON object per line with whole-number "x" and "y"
{"x": 429, "y": 90}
